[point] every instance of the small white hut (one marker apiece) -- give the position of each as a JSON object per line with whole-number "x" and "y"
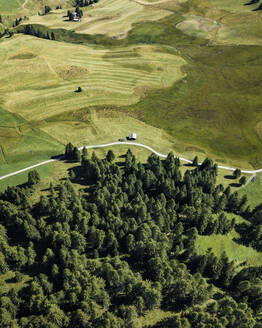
{"x": 132, "y": 136}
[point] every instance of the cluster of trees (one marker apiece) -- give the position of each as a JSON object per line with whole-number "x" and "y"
{"x": 71, "y": 16}
{"x": 237, "y": 175}
{"x": 30, "y": 30}
{"x": 72, "y": 153}
{"x": 84, "y": 3}
{"x": 123, "y": 245}
{"x": 46, "y": 10}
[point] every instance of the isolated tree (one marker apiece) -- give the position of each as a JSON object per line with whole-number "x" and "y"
{"x": 110, "y": 156}
{"x": 79, "y": 89}
{"x": 236, "y": 174}
{"x": 33, "y": 178}
{"x": 195, "y": 161}
{"x": 47, "y": 9}
{"x": 242, "y": 180}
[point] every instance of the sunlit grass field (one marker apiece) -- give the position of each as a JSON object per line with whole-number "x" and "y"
{"x": 235, "y": 251}
{"x": 10, "y": 6}
{"x": 174, "y": 74}
{"x": 113, "y": 18}
{"x": 40, "y": 76}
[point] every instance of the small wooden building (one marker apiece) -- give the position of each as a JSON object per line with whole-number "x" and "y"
{"x": 132, "y": 136}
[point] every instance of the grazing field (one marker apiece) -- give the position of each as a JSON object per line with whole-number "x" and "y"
{"x": 235, "y": 252}
{"x": 21, "y": 144}
{"x": 175, "y": 65}
{"x": 113, "y": 18}
{"x": 253, "y": 191}
{"x": 28, "y": 7}
{"x": 10, "y": 6}
{"x": 40, "y": 77}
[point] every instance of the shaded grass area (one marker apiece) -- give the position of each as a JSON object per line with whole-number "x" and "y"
{"x": 228, "y": 243}
{"x": 253, "y": 191}
{"x": 234, "y": 251}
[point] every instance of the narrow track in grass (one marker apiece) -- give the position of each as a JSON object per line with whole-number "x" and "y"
{"x": 121, "y": 143}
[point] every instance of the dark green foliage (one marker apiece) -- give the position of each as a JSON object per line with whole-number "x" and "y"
{"x": 33, "y": 178}
{"x": 47, "y": 9}
{"x": 242, "y": 180}
{"x": 195, "y": 161}
{"x": 72, "y": 153}
{"x": 237, "y": 173}
{"x": 124, "y": 245}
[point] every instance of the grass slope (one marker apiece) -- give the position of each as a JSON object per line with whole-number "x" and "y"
{"x": 235, "y": 252}
{"x": 22, "y": 144}
{"x": 10, "y": 6}
{"x": 55, "y": 70}
{"x": 113, "y": 18}
{"x": 213, "y": 111}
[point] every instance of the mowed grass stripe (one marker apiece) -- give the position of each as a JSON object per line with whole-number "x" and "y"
{"x": 50, "y": 81}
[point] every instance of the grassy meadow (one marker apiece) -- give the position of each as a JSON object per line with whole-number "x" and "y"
{"x": 52, "y": 72}
{"x": 10, "y": 6}
{"x": 113, "y": 18}
{"x": 228, "y": 243}
{"x": 253, "y": 191}
{"x": 177, "y": 66}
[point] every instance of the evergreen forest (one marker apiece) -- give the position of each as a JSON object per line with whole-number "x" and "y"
{"x": 123, "y": 244}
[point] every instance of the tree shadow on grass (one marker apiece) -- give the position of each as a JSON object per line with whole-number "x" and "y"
{"x": 242, "y": 229}
{"x": 251, "y": 2}
{"x": 231, "y": 177}
{"x": 234, "y": 184}
{"x": 189, "y": 164}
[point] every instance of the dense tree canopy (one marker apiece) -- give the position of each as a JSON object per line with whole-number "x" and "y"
{"x": 124, "y": 245}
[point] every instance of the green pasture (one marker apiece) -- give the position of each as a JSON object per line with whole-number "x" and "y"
{"x": 113, "y": 18}
{"x": 253, "y": 191}
{"x": 216, "y": 107}
{"x": 228, "y": 243}
{"x": 235, "y": 252}
{"x": 44, "y": 85}
{"x": 10, "y": 6}
{"x": 173, "y": 74}
{"x": 29, "y": 7}
{"x": 22, "y": 145}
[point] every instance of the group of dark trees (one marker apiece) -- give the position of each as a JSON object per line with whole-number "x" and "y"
{"x": 72, "y": 152}
{"x": 31, "y": 30}
{"x": 103, "y": 255}
{"x": 71, "y": 16}
{"x": 84, "y": 3}
{"x": 46, "y": 10}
